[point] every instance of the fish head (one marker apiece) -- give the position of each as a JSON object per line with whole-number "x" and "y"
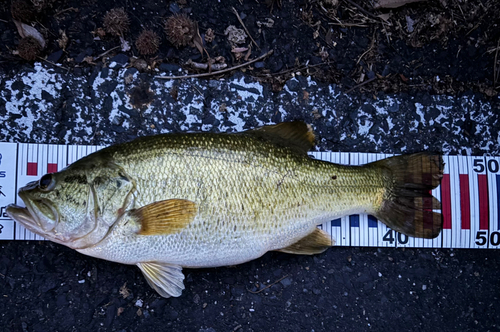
{"x": 76, "y": 206}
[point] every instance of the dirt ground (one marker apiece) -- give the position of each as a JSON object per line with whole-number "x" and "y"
{"x": 436, "y": 46}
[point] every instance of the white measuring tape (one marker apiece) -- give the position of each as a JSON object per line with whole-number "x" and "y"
{"x": 469, "y": 193}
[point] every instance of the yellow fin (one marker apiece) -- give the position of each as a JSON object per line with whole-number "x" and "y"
{"x": 165, "y": 217}
{"x": 296, "y": 135}
{"x": 314, "y": 243}
{"x": 166, "y": 279}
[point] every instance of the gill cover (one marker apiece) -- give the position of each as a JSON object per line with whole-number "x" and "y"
{"x": 111, "y": 191}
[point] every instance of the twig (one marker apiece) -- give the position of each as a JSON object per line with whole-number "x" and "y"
{"x": 361, "y": 84}
{"x": 369, "y": 49}
{"x": 495, "y": 72}
{"x": 270, "y": 285}
{"x": 358, "y": 25}
{"x": 65, "y": 10}
{"x": 103, "y": 54}
{"x": 217, "y": 72}
{"x": 244, "y": 27}
{"x": 300, "y": 68}
{"x": 385, "y": 30}
{"x": 205, "y": 66}
{"x": 54, "y": 64}
{"x": 362, "y": 9}
{"x": 4, "y": 21}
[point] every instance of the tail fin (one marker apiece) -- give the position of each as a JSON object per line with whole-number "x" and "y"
{"x": 408, "y": 204}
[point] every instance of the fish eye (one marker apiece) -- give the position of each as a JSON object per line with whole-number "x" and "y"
{"x": 46, "y": 182}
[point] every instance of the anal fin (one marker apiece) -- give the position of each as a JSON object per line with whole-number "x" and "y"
{"x": 314, "y": 243}
{"x": 166, "y": 279}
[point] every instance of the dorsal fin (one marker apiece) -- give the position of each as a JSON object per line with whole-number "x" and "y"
{"x": 296, "y": 135}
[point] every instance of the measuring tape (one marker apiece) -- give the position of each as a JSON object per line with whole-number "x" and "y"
{"x": 469, "y": 194}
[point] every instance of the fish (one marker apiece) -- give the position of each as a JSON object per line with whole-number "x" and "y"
{"x": 201, "y": 200}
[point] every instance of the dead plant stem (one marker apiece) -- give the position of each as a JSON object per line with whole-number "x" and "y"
{"x": 217, "y": 72}
{"x": 270, "y": 285}
{"x": 244, "y": 27}
{"x": 361, "y": 84}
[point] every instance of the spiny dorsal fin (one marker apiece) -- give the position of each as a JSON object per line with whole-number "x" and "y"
{"x": 314, "y": 243}
{"x": 296, "y": 135}
{"x": 166, "y": 279}
{"x": 165, "y": 217}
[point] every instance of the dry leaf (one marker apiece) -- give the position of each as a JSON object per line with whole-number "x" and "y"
{"x": 209, "y": 35}
{"x": 197, "y": 41}
{"x": 63, "y": 41}
{"x": 124, "y": 291}
{"x": 125, "y": 45}
{"x": 28, "y": 31}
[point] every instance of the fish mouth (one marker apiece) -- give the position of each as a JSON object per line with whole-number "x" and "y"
{"x": 38, "y": 216}
{"x": 23, "y": 216}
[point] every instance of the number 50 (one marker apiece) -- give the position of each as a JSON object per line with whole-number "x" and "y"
{"x": 482, "y": 239}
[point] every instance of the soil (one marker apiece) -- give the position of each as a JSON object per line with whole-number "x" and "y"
{"x": 442, "y": 47}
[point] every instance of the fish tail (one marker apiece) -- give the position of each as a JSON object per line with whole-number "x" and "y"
{"x": 407, "y": 204}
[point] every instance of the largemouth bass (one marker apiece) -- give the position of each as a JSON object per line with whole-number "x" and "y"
{"x": 205, "y": 200}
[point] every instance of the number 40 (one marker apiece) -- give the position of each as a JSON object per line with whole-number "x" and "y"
{"x": 389, "y": 237}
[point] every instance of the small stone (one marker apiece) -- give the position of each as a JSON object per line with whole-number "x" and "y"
{"x": 120, "y": 60}
{"x": 55, "y": 57}
{"x": 174, "y": 8}
{"x": 259, "y": 65}
{"x": 293, "y": 85}
{"x": 286, "y": 282}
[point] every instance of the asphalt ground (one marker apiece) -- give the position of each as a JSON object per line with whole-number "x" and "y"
{"x": 48, "y": 287}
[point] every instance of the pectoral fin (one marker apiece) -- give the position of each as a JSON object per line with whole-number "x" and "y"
{"x": 314, "y": 243}
{"x": 164, "y": 278}
{"x": 165, "y": 217}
